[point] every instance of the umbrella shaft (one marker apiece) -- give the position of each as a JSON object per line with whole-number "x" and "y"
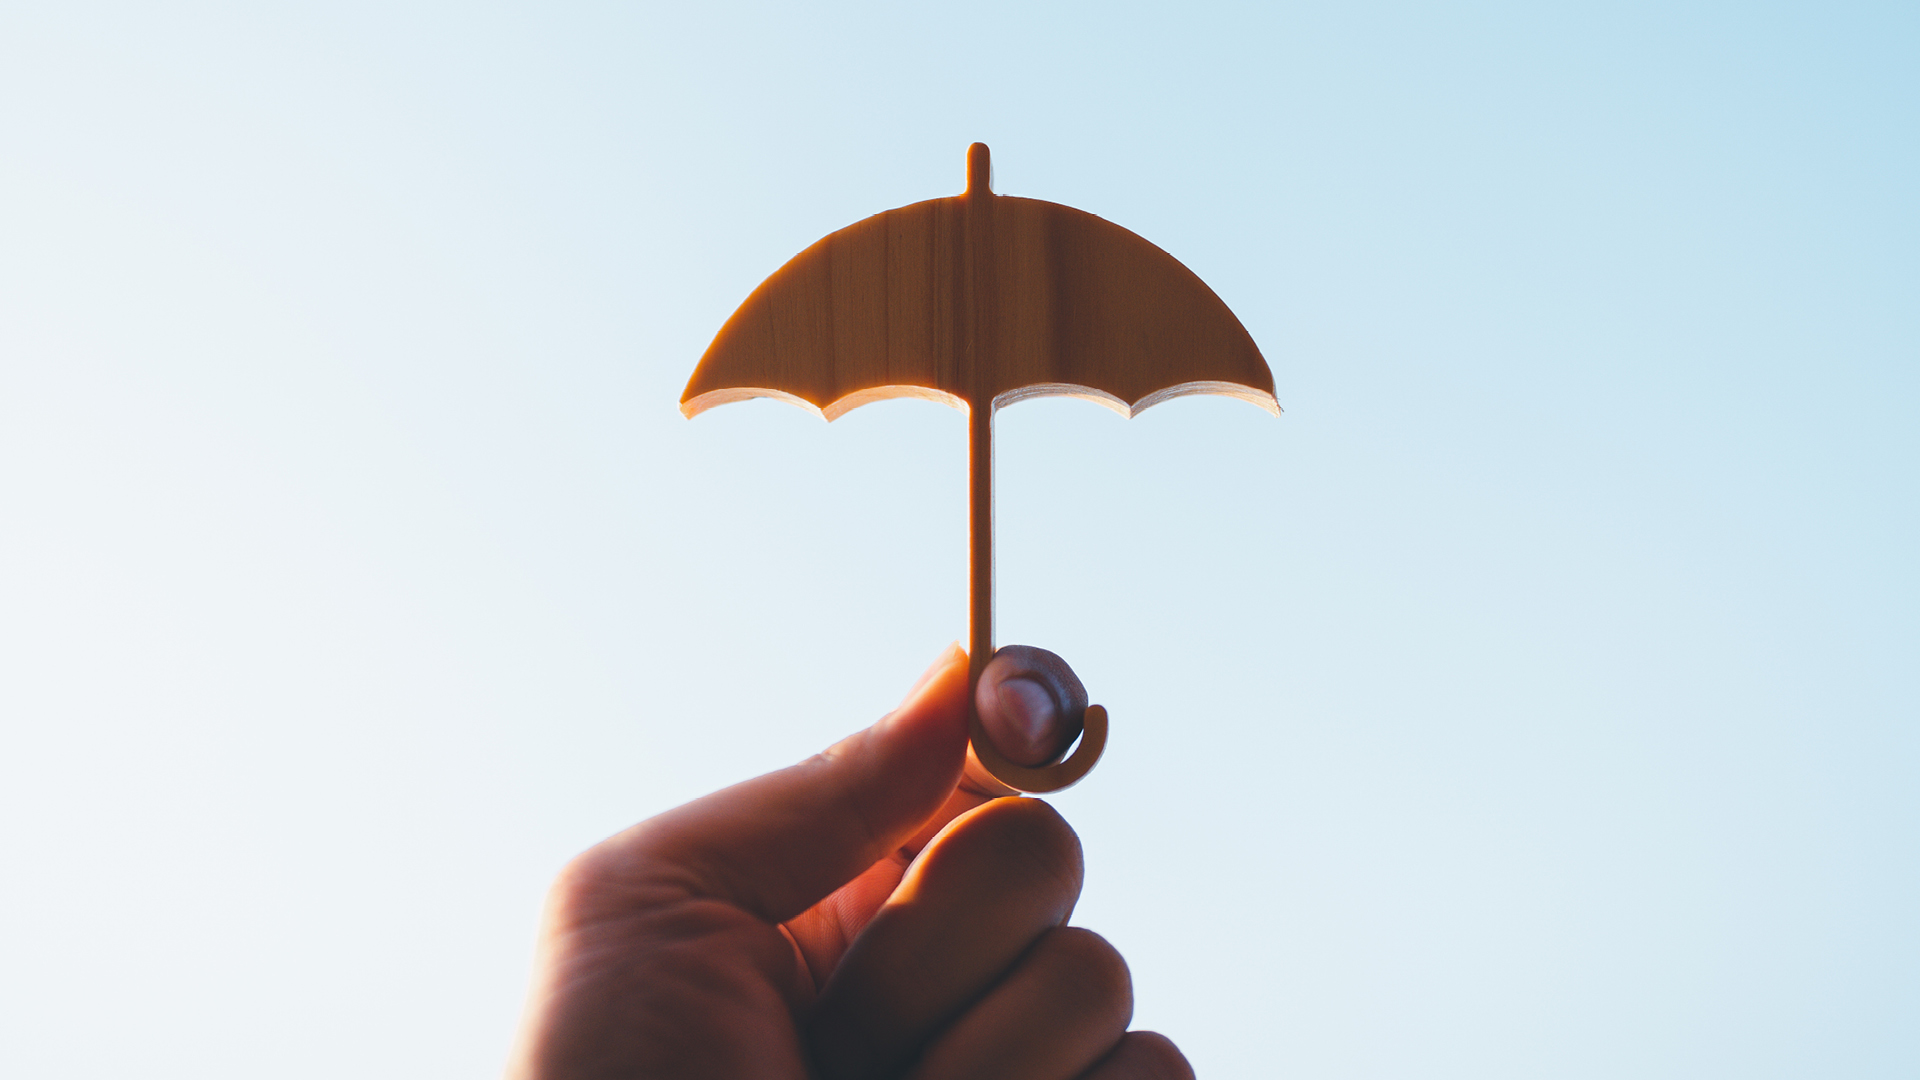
{"x": 980, "y": 534}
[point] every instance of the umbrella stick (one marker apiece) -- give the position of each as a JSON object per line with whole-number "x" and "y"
{"x": 979, "y": 203}
{"x": 980, "y": 530}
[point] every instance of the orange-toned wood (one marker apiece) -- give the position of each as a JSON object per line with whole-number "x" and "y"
{"x": 979, "y": 301}
{"x": 980, "y": 295}
{"x": 1045, "y": 778}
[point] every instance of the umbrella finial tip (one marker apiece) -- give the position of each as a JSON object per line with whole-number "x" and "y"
{"x": 979, "y": 170}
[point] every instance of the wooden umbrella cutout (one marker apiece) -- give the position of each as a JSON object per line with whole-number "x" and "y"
{"x": 979, "y": 301}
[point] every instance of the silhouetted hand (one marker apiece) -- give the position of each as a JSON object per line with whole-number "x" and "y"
{"x": 869, "y": 912}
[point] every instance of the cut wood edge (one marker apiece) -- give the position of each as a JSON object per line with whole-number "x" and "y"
{"x": 1250, "y": 394}
{"x": 700, "y": 403}
{"x": 834, "y": 410}
{"x": 1071, "y": 390}
{"x": 858, "y": 398}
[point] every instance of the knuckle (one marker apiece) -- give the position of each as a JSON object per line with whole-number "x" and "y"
{"x": 1152, "y": 1056}
{"x": 1090, "y": 970}
{"x": 580, "y": 883}
{"x": 610, "y": 879}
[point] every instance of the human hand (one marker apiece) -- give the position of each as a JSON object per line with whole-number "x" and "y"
{"x": 874, "y": 911}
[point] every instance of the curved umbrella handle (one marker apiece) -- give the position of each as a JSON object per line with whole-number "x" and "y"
{"x": 1039, "y": 780}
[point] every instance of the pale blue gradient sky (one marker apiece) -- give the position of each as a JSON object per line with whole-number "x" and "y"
{"x": 1539, "y": 697}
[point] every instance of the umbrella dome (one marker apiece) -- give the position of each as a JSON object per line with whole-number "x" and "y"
{"x": 980, "y": 298}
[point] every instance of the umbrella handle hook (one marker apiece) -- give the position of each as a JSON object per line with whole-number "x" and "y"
{"x": 1041, "y": 779}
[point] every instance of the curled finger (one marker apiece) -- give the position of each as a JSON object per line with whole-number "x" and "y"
{"x": 1060, "y": 1010}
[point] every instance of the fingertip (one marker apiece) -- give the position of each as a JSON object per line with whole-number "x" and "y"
{"x": 930, "y": 725}
{"x": 1144, "y": 1055}
{"x": 949, "y": 656}
{"x": 1026, "y": 724}
{"x": 1028, "y": 833}
{"x": 943, "y": 679}
{"x": 1030, "y": 703}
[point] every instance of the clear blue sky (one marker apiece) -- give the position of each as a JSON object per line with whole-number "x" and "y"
{"x": 1539, "y": 697}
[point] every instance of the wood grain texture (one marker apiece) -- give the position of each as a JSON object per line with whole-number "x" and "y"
{"x": 979, "y": 301}
{"x": 980, "y": 297}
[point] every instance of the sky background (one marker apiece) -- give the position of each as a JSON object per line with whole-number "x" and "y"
{"x": 1538, "y": 697}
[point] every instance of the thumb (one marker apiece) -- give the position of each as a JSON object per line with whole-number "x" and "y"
{"x": 775, "y": 845}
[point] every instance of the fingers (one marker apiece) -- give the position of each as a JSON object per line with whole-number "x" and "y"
{"x": 776, "y": 844}
{"x": 1026, "y": 690}
{"x": 982, "y": 893}
{"x": 1143, "y": 1055}
{"x": 1030, "y": 702}
{"x": 1060, "y": 1010}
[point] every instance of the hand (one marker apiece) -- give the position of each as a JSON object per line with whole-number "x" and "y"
{"x": 871, "y": 912}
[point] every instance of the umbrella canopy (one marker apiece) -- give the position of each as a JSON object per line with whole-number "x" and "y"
{"x": 979, "y": 301}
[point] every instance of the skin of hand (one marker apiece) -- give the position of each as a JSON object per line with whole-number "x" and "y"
{"x": 875, "y": 911}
